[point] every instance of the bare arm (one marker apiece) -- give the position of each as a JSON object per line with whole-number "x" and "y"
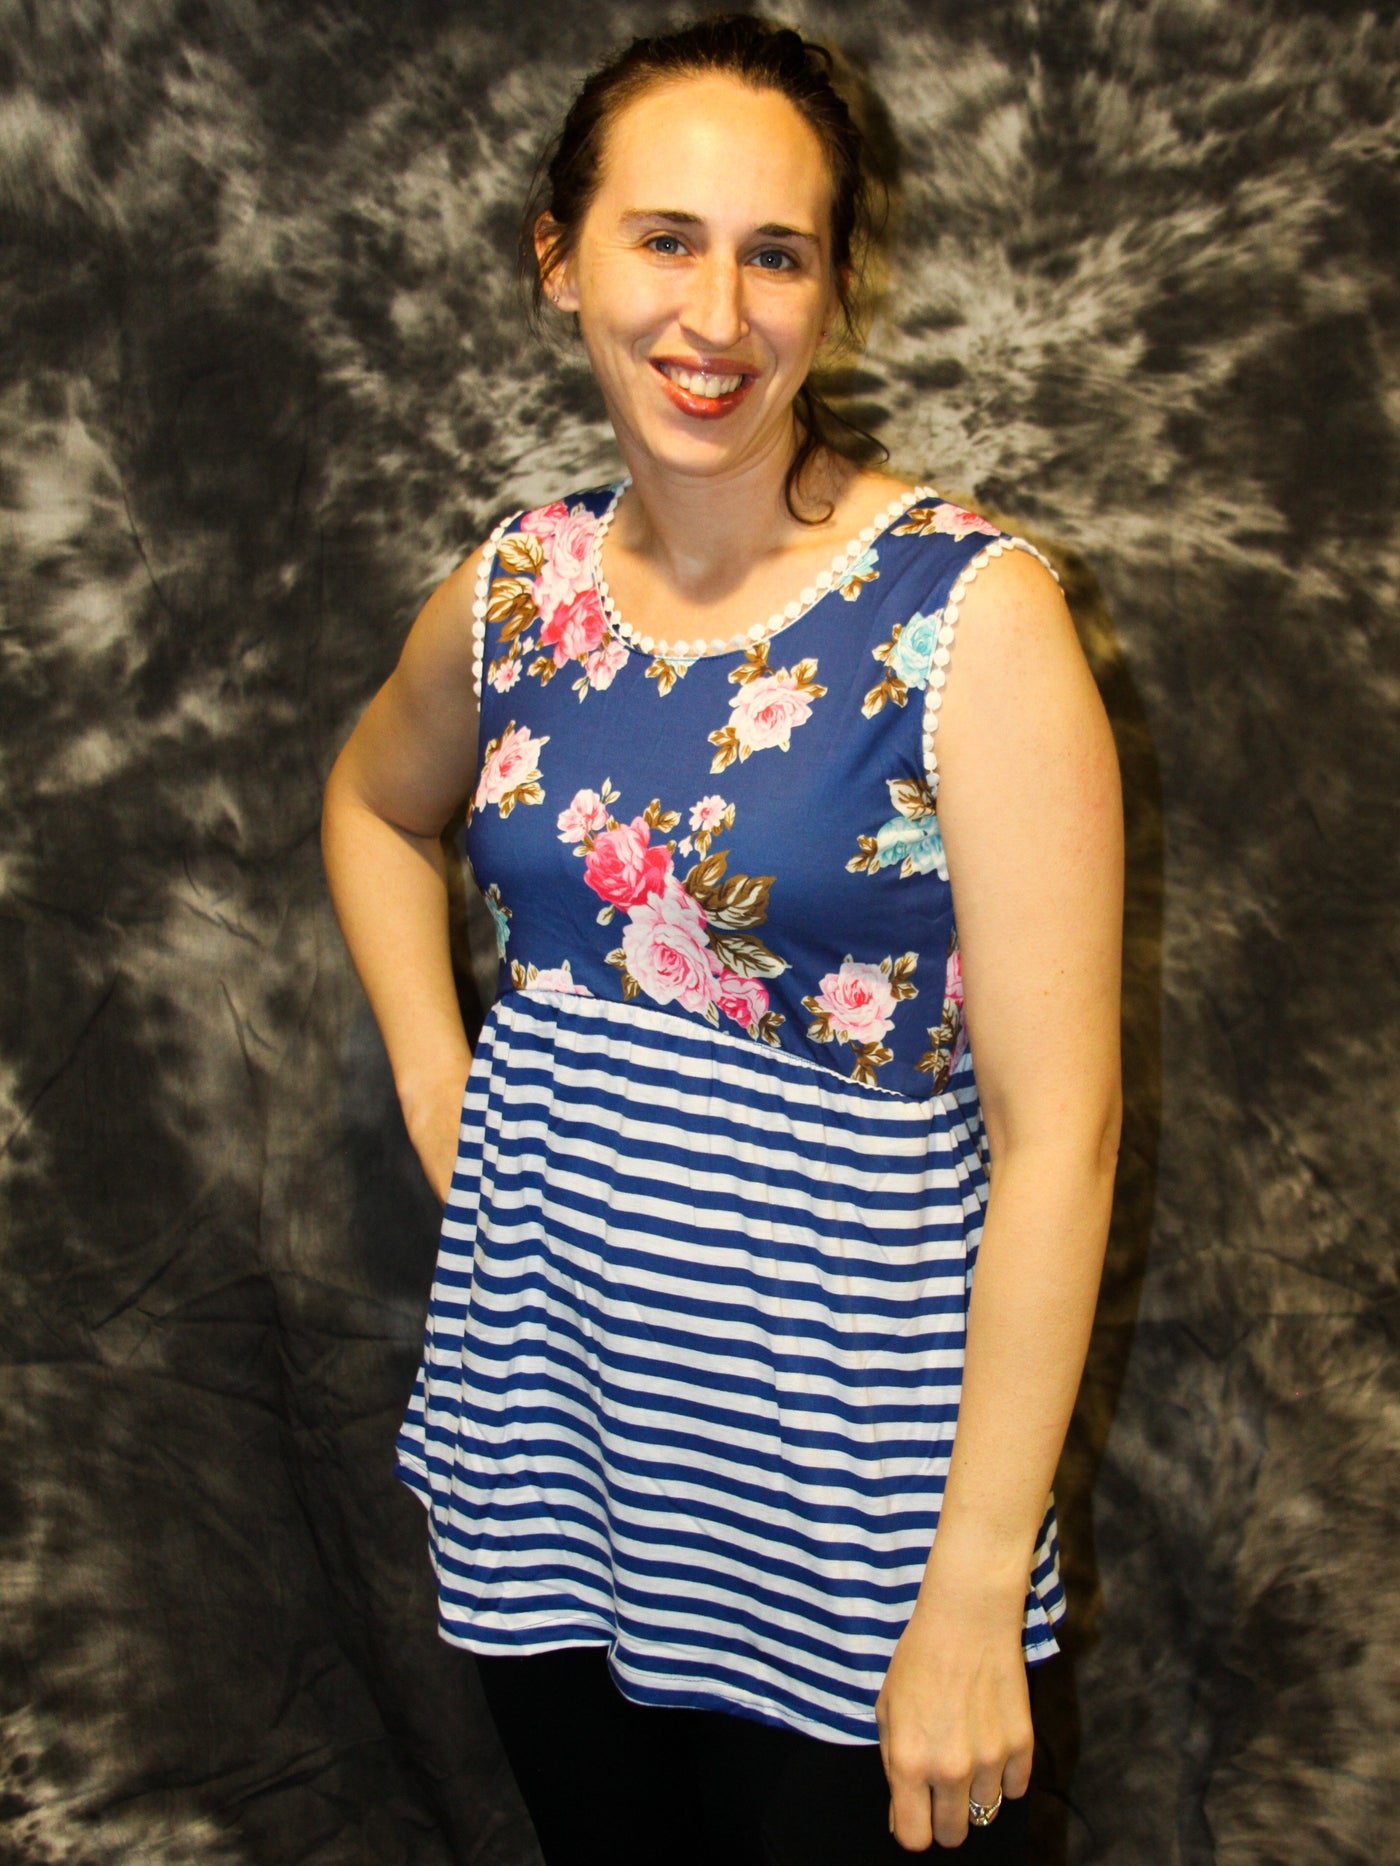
{"x": 1031, "y": 814}
{"x": 403, "y": 772}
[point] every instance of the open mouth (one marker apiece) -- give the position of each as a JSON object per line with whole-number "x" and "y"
{"x": 704, "y": 392}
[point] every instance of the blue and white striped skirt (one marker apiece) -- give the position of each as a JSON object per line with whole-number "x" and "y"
{"x": 693, "y": 1359}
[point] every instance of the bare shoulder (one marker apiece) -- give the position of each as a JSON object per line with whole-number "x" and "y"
{"x": 872, "y": 492}
{"x": 1019, "y": 685}
{"x": 412, "y": 756}
{"x": 857, "y": 496}
{"x": 1013, "y": 601}
{"x": 439, "y": 648}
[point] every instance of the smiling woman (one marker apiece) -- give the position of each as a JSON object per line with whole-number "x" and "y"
{"x": 737, "y": 1476}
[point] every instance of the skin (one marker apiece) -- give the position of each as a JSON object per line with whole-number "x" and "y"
{"x": 703, "y": 544}
{"x": 1030, "y": 811}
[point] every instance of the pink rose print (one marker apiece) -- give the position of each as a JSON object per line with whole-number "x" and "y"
{"x": 575, "y": 628}
{"x": 953, "y": 1007}
{"x": 503, "y": 675}
{"x": 856, "y": 1006}
{"x": 571, "y": 547}
{"x": 743, "y": 999}
{"x": 666, "y": 950}
{"x": 557, "y": 978}
{"x": 547, "y": 978}
{"x": 958, "y": 524}
{"x": 858, "y": 1002}
{"x": 569, "y": 551}
{"x": 948, "y": 1038}
{"x": 603, "y": 663}
{"x": 623, "y": 869}
{"x": 708, "y": 813}
{"x": 585, "y": 816}
{"x": 766, "y": 711}
{"x": 923, "y": 520}
{"x": 511, "y": 766}
{"x": 768, "y": 705}
{"x": 544, "y": 522}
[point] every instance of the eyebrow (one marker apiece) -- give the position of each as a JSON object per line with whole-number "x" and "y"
{"x": 771, "y": 229}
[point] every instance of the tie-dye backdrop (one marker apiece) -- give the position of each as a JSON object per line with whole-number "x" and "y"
{"x": 264, "y": 382}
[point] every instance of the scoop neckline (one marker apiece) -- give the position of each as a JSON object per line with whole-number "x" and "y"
{"x": 820, "y": 587}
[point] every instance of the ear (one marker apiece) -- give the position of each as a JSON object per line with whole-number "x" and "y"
{"x": 559, "y": 287}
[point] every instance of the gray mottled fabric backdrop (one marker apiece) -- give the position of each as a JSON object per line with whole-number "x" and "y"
{"x": 262, "y": 383}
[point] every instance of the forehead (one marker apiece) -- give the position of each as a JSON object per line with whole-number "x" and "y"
{"x": 714, "y": 146}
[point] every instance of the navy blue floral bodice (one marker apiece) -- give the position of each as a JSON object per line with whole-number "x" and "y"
{"x": 746, "y": 836}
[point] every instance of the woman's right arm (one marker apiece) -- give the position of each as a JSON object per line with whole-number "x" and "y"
{"x": 403, "y": 772}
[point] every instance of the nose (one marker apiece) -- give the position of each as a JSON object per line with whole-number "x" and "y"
{"x": 713, "y": 316}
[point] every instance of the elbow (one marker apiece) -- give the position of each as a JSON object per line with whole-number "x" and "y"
{"x": 1110, "y": 1135}
{"x": 336, "y": 797}
{"x": 330, "y": 797}
{"x": 1077, "y": 1133}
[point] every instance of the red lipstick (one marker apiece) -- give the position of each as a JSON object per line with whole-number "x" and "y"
{"x": 704, "y": 407}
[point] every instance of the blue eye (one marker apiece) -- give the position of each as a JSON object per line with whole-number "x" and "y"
{"x": 665, "y": 243}
{"x": 774, "y": 259}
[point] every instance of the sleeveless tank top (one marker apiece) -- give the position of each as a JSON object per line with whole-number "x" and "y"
{"x": 695, "y": 1337}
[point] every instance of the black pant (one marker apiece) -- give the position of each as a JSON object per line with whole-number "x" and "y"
{"x": 611, "y": 1783}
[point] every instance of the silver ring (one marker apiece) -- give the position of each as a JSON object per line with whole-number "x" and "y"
{"x": 983, "y": 1816}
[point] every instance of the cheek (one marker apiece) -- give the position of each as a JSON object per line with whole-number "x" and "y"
{"x": 795, "y": 324}
{"x": 618, "y": 299}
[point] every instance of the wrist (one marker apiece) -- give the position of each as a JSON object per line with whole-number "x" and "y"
{"x": 970, "y": 1563}
{"x": 426, "y": 1095}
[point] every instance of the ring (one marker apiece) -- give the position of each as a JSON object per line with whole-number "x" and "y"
{"x": 980, "y": 1815}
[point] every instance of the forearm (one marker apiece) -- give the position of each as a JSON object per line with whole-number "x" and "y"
{"x": 389, "y": 888}
{"x": 1030, "y": 1314}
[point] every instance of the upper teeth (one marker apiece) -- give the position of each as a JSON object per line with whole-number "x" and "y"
{"x": 697, "y": 383}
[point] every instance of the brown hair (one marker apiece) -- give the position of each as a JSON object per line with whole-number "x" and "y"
{"x": 766, "y": 57}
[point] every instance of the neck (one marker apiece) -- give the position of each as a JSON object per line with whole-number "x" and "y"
{"x": 703, "y": 533}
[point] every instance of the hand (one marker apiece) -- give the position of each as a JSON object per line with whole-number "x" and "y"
{"x": 433, "y": 1116}
{"x": 954, "y": 1714}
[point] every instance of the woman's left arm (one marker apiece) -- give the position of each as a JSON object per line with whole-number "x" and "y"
{"x": 1030, "y": 809}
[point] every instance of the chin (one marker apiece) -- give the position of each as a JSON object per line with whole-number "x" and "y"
{"x": 701, "y": 448}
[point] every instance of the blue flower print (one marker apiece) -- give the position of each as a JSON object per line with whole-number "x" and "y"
{"x": 500, "y": 917}
{"x": 915, "y": 848}
{"x": 853, "y": 579}
{"x": 910, "y": 841}
{"x": 911, "y": 656}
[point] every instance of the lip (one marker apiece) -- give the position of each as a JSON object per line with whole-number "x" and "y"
{"x": 704, "y": 407}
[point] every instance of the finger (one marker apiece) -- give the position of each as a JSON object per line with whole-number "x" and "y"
{"x": 987, "y": 1784}
{"x": 1016, "y": 1776}
{"x": 950, "y": 1811}
{"x": 911, "y": 1813}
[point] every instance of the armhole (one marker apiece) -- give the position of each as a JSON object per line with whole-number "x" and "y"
{"x": 479, "y": 603}
{"x": 948, "y": 621}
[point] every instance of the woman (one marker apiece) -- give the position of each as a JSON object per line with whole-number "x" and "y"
{"x": 706, "y": 1364}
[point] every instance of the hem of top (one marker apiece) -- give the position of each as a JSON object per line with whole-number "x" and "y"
{"x": 1041, "y": 1654}
{"x": 566, "y": 1635}
{"x": 766, "y": 1052}
{"x": 677, "y": 1691}
{"x": 407, "y": 1467}
{"x": 667, "y": 1690}
{"x": 674, "y": 1691}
